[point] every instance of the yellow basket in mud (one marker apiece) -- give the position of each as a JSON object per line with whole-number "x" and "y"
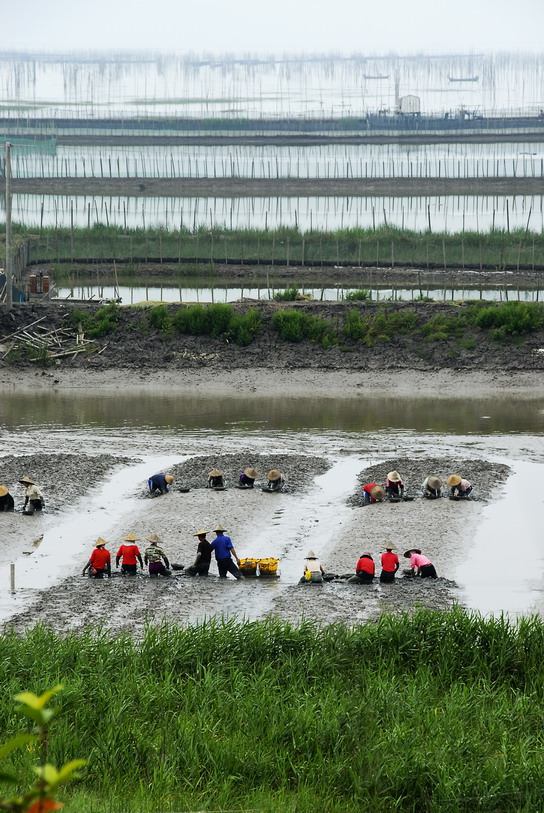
{"x": 249, "y": 566}
{"x": 268, "y": 567}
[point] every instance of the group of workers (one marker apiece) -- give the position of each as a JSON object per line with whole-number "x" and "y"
{"x": 34, "y": 499}
{"x": 365, "y": 569}
{"x": 460, "y": 488}
{"x": 158, "y": 483}
{"x": 129, "y": 556}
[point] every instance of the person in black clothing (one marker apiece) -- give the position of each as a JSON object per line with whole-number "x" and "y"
{"x": 6, "y": 500}
{"x": 203, "y": 556}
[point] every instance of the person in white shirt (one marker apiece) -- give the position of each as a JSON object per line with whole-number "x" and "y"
{"x": 34, "y": 500}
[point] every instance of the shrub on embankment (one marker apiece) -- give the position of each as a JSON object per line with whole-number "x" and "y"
{"x": 438, "y": 711}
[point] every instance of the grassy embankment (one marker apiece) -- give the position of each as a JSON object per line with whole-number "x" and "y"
{"x": 384, "y": 246}
{"x": 433, "y": 712}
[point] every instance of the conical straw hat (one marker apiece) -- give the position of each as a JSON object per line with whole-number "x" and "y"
{"x": 394, "y": 476}
{"x": 131, "y": 538}
{"x": 215, "y": 473}
{"x": 434, "y": 482}
{"x": 99, "y": 542}
{"x": 27, "y": 480}
{"x": 3, "y": 491}
{"x": 169, "y": 478}
{"x": 389, "y": 546}
{"x": 273, "y": 474}
{"x": 453, "y": 480}
{"x": 201, "y": 533}
{"x": 219, "y": 528}
{"x": 407, "y": 553}
{"x": 153, "y": 538}
{"x": 253, "y": 473}
{"x": 377, "y": 492}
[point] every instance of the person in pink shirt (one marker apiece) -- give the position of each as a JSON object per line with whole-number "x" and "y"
{"x": 459, "y": 486}
{"x": 419, "y": 564}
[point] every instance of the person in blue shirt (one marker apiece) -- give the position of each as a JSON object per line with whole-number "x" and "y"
{"x": 158, "y": 484}
{"x": 224, "y": 550}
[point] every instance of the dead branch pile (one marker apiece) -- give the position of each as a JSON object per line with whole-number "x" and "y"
{"x": 37, "y": 342}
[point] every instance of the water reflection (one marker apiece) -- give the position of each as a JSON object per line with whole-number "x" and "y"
{"x": 146, "y": 409}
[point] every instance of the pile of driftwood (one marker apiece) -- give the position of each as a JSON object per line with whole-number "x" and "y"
{"x": 38, "y": 342}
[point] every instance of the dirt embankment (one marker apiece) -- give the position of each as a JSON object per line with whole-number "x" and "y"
{"x": 135, "y": 343}
{"x": 296, "y": 187}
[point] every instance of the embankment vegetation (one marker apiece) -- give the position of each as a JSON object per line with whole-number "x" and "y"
{"x": 437, "y": 711}
{"x": 383, "y": 246}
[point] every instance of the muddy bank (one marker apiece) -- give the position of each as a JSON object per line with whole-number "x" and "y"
{"x": 297, "y": 187}
{"x": 134, "y": 342}
{"x": 263, "y": 275}
{"x": 298, "y": 471}
{"x": 486, "y": 477}
{"x": 64, "y": 479}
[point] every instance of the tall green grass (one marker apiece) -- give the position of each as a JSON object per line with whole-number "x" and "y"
{"x": 384, "y": 246}
{"x": 434, "y": 712}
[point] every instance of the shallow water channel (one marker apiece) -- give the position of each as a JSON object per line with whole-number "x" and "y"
{"x": 499, "y": 565}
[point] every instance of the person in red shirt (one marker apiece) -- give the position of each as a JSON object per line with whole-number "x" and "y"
{"x": 129, "y": 553}
{"x": 390, "y": 563}
{"x": 100, "y": 561}
{"x": 372, "y": 492}
{"x": 364, "y": 570}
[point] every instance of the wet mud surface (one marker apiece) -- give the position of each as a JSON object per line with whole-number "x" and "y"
{"x": 297, "y": 470}
{"x": 486, "y": 477}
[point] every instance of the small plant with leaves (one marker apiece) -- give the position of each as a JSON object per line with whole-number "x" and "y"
{"x": 361, "y": 295}
{"x": 39, "y": 798}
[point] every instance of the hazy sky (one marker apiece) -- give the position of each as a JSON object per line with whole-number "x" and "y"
{"x": 280, "y": 25}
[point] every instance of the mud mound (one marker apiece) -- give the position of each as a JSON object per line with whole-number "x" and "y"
{"x": 298, "y": 470}
{"x": 485, "y": 476}
{"x": 63, "y": 478}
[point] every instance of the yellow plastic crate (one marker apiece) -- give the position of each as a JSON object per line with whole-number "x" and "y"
{"x": 268, "y": 567}
{"x": 248, "y": 566}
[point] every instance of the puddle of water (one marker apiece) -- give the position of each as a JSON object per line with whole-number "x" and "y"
{"x": 504, "y": 569}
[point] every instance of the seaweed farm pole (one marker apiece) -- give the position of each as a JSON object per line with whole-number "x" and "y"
{"x": 507, "y": 217}
{"x": 9, "y": 252}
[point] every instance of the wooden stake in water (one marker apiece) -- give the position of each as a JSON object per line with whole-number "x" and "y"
{"x": 12, "y": 577}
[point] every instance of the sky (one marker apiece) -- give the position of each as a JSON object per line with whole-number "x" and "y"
{"x": 242, "y": 26}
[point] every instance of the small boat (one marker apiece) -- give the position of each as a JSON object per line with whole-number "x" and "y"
{"x": 463, "y": 78}
{"x": 375, "y": 76}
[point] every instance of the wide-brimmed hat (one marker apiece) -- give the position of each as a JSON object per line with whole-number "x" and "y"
{"x": 215, "y": 473}
{"x": 3, "y": 491}
{"x": 251, "y": 473}
{"x": 169, "y": 478}
{"x": 219, "y": 528}
{"x": 389, "y": 546}
{"x": 394, "y": 476}
{"x": 311, "y": 555}
{"x": 131, "y": 538}
{"x": 201, "y": 533}
{"x": 453, "y": 480}
{"x": 434, "y": 482}
{"x": 273, "y": 474}
{"x": 408, "y": 553}
{"x": 377, "y": 492}
{"x": 100, "y": 542}
{"x": 27, "y": 480}
{"x": 153, "y": 538}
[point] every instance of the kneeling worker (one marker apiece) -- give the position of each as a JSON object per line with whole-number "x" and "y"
{"x": 390, "y": 563}
{"x": 100, "y": 561}
{"x": 215, "y": 479}
{"x": 33, "y": 496}
{"x": 248, "y": 477}
{"x": 223, "y": 548}
{"x": 372, "y": 492}
{"x": 313, "y": 569}
{"x": 7, "y": 503}
{"x": 203, "y": 559}
{"x": 275, "y": 480}
{"x": 364, "y": 570}
{"x": 158, "y": 484}
{"x": 129, "y": 553}
{"x": 420, "y": 565}
{"x": 153, "y": 555}
{"x": 431, "y": 487}
{"x": 459, "y": 486}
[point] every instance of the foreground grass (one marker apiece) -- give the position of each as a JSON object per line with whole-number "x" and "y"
{"x": 384, "y": 246}
{"x": 424, "y": 713}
